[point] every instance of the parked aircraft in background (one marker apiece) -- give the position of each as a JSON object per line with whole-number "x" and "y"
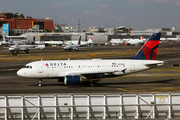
{"x": 127, "y": 41}
{"x": 73, "y": 47}
{"x": 173, "y": 39}
{"x": 76, "y": 71}
{"x": 116, "y": 42}
{"x": 89, "y": 42}
{"x": 10, "y": 42}
{"x": 82, "y": 42}
{"x": 135, "y": 41}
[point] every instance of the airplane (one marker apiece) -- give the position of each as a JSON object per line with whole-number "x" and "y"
{"x": 82, "y": 43}
{"x": 17, "y": 47}
{"x": 73, "y": 72}
{"x": 10, "y": 42}
{"x": 116, "y": 42}
{"x": 89, "y": 42}
{"x": 73, "y": 47}
{"x": 24, "y": 48}
{"x": 135, "y": 41}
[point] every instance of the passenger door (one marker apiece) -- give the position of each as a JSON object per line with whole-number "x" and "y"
{"x": 132, "y": 66}
{"x": 40, "y": 67}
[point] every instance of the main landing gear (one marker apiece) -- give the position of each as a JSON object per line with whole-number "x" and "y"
{"x": 26, "y": 51}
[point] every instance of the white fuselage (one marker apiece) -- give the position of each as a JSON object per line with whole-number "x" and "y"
{"x": 19, "y": 47}
{"x": 70, "y": 47}
{"x": 76, "y": 42}
{"x": 62, "y": 68}
{"x": 25, "y": 47}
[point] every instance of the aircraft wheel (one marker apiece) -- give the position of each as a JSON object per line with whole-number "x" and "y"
{"x": 40, "y": 81}
{"x": 12, "y": 52}
{"x": 26, "y": 51}
{"x": 88, "y": 84}
{"x": 91, "y": 84}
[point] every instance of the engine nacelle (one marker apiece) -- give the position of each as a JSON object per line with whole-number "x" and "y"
{"x": 72, "y": 80}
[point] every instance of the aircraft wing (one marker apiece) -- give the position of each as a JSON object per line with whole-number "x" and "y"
{"x": 40, "y": 47}
{"x": 6, "y": 47}
{"x": 27, "y": 48}
{"x": 24, "y": 49}
{"x": 96, "y": 72}
{"x": 15, "y": 37}
{"x": 81, "y": 47}
{"x": 33, "y": 47}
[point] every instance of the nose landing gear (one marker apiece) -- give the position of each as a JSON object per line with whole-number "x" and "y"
{"x": 40, "y": 81}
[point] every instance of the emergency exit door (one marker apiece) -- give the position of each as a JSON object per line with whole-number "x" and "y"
{"x": 40, "y": 67}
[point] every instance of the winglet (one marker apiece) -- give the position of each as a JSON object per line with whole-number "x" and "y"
{"x": 149, "y": 49}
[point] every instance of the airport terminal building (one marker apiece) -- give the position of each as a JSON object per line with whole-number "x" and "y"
{"x": 26, "y": 23}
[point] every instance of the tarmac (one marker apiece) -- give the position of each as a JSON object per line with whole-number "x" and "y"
{"x": 146, "y": 81}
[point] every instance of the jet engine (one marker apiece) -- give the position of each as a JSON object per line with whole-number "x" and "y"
{"x": 72, "y": 80}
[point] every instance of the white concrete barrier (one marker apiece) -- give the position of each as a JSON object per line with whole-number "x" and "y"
{"x": 91, "y": 106}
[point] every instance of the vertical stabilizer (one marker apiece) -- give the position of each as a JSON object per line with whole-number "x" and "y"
{"x": 149, "y": 49}
{"x": 79, "y": 42}
{"x": 33, "y": 41}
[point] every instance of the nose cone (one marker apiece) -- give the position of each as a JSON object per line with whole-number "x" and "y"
{"x": 21, "y": 73}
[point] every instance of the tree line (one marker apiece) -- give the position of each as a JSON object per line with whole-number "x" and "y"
{"x": 15, "y": 15}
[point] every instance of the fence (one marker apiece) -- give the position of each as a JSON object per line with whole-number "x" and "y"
{"x": 91, "y": 106}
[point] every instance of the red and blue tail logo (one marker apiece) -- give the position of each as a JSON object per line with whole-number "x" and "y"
{"x": 149, "y": 49}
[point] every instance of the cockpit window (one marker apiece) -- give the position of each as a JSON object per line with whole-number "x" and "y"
{"x": 28, "y": 67}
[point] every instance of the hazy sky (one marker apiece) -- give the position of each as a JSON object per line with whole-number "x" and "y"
{"x": 138, "y": 14}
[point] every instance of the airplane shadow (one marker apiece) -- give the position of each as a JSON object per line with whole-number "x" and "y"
{"x": 118, "y": 83}
{"x": 107, "y": 84}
